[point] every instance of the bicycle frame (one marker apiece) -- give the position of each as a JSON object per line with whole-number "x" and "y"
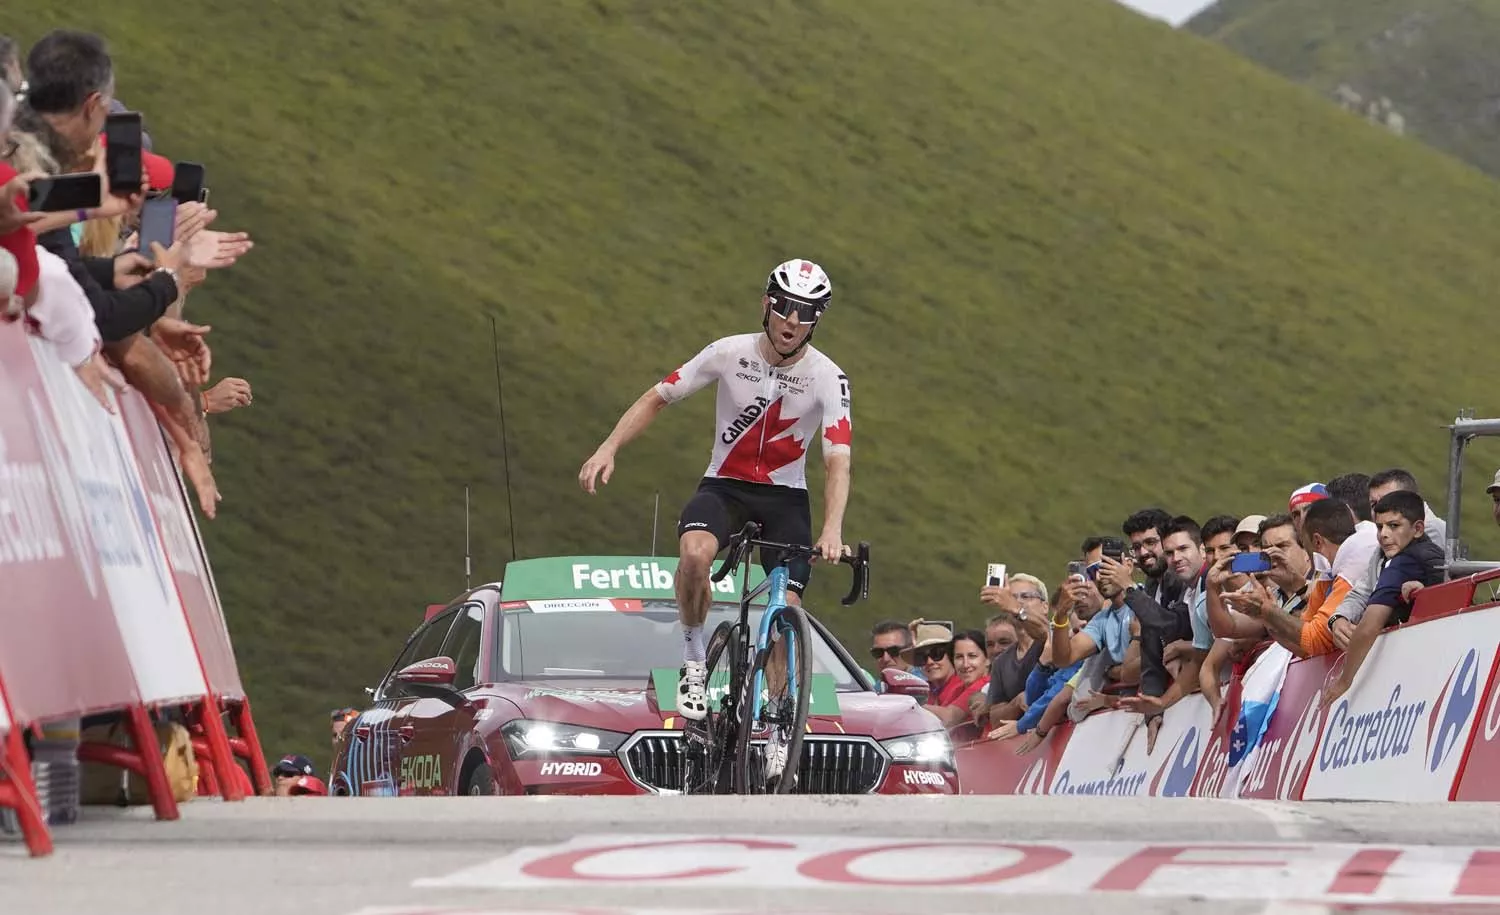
{"x": 776, "y": 584}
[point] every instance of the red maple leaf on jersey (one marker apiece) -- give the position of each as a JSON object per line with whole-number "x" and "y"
{"x": 673, "y": 378}
{"x": 747, "y": 460}
{"x": 840, "y": 433}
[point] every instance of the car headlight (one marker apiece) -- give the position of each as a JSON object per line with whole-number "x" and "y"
{"x": 539, "y": 738}
{"x": 931, "y": 748}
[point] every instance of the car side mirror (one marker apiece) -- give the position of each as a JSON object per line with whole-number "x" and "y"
{"x": 432, "y": 679}
{"x": 439, "y": 671}
{"x": 901, "y": 683}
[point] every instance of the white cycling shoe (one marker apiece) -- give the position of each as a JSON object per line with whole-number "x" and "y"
{"x": 692, "y": 690}
{"x": 775, "y": 757}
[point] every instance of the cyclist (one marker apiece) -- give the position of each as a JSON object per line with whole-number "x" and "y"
{"x": 775, "y": 394}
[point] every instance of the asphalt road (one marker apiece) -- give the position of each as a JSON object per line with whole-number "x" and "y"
{"x": 612, "y": 856}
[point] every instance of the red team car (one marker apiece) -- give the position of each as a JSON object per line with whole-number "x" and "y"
{"x": 563, "y": 681}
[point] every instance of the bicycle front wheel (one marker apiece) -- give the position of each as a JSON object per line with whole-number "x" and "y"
{"x": 769, "y": 745}
{"x": 707, "y": 743}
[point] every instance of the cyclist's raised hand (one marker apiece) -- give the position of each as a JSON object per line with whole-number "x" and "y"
{"x": 602, "y": 461}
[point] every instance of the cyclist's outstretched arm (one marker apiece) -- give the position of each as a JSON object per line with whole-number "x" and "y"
{"x": 838, "y": 434}
{"x": 835, "y": 500}
{"x": 632, "y": 423}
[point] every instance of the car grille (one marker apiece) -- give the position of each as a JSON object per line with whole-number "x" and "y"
{"x": 830, "y": 764}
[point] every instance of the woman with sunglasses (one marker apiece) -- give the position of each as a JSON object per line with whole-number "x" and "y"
{"x": 776, "y": 395}
{"x": 957, "y": 671}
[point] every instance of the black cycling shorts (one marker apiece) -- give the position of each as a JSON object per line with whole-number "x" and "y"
{"x": 722, "y": 507}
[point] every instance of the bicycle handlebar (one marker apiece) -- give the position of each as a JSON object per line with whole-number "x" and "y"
{"x": 743, "y": 542}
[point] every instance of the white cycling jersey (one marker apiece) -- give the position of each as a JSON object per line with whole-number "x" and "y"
{"x": 767, "y": 417}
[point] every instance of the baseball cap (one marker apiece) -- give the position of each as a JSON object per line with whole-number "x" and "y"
{"x": 309, "y": 784}
{"x": 1312, "y": 492}
{"x": 1495, "y": 485}
{"x": 294, "y": 764}
{"x": 1250, "y": 525}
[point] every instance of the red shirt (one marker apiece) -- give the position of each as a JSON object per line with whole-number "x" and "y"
{"x": 953, "y": 691}
{"x": 21, "y": 242}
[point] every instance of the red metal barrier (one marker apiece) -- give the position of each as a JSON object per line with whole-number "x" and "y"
{"x": 16, "y": 788}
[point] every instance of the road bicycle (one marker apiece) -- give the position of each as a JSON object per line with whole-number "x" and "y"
{"x": 764, "y": 686}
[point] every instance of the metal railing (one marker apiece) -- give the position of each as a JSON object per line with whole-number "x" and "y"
{"x": 1464, "y": 429}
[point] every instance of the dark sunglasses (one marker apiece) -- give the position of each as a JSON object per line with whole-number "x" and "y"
{"x": 785, "y": 306}
{"x": 934, "y": 653}
{"x": 890, "y": 651}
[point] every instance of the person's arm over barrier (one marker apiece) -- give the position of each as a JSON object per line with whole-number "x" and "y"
{"x": 118, "y": 312}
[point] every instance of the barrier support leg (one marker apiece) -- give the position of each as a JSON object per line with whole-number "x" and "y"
{"x": 245, "y": 724}
{"x": 208, "y": 779}
{"x": 18, "y": 792}
{"x": 155, "y": 770}
{"x": 218, "y": 745}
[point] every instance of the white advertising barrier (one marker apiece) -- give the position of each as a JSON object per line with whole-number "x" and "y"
{"x": 1168, "y": 771}
{"x": 1401, "y": 732}
{"x": 1090, "y": 762}
{"x": 136, "y": 577}
{"x": 175, "y": 522}
{"x": 1107, "y": 753}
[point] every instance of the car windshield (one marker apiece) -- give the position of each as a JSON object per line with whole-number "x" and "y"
{"x": 552, "y": 640}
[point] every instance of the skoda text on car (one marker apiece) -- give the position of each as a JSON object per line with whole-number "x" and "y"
{"x": 563, "y": 681}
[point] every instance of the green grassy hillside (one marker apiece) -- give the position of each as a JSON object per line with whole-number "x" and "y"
{"x": 1082, "y": 264}
{"x": 1434, "y": 59}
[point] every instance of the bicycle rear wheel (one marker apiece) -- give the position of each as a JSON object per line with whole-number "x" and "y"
{"x": 786, "y": 681}
{"x": 706, "y": 744}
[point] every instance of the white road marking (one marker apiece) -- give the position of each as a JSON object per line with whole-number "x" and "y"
{"x": 1286, "y": 819}
{"x": 1281, "y": 871}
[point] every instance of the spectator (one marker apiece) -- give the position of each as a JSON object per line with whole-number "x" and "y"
{"x": 1388, "y": 481}
{"x": 1108, "y": 632}
{"x": 1296, "y": 506}
{"x": 1182, "y": 544}
{"x": 1412, "y": 561}
{"x": 16, "y": 234}
{"x": 1494, "y": 491}
{"x": 294, "y": 774}
{"x": 1078, "y": 599}
{"x": 889, "y": 641}
{"x": 10, "y": 68}
{"x": 1015, "y": 646}
{"x": 341, "y": 717}
{"x": 1329, "y": 529}
{"x": 970, "y": 678}
{"x": 1159, "y": 606}
{"x": 1290, "y": 577}
{"x": 930, "y": 652}
{"x": 1358, "y": 559}
{"x": 1247, "y": 533}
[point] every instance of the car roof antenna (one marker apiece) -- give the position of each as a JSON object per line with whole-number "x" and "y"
{"x": 655, "y": 513}
{"x": 510, "y": 508}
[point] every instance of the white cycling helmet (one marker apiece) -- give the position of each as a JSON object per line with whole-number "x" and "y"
{"x": 799, "y": 282}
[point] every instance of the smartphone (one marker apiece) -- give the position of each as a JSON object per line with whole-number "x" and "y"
{"x": 1250, "y": 563}
{"x": 158, "y": 223}
{"x": 1113, "y": 547}
{"x": 59, "y": 193}
{"x": 187, "y": 182}
{"x": 1078, "y": 569}
{"x": 122, "y": 152}
{"x": 995, "y": 578}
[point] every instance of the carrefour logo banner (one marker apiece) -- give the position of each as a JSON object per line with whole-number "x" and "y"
{"x": 645, "y": 577}
{"x": 1401, "y": 732}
